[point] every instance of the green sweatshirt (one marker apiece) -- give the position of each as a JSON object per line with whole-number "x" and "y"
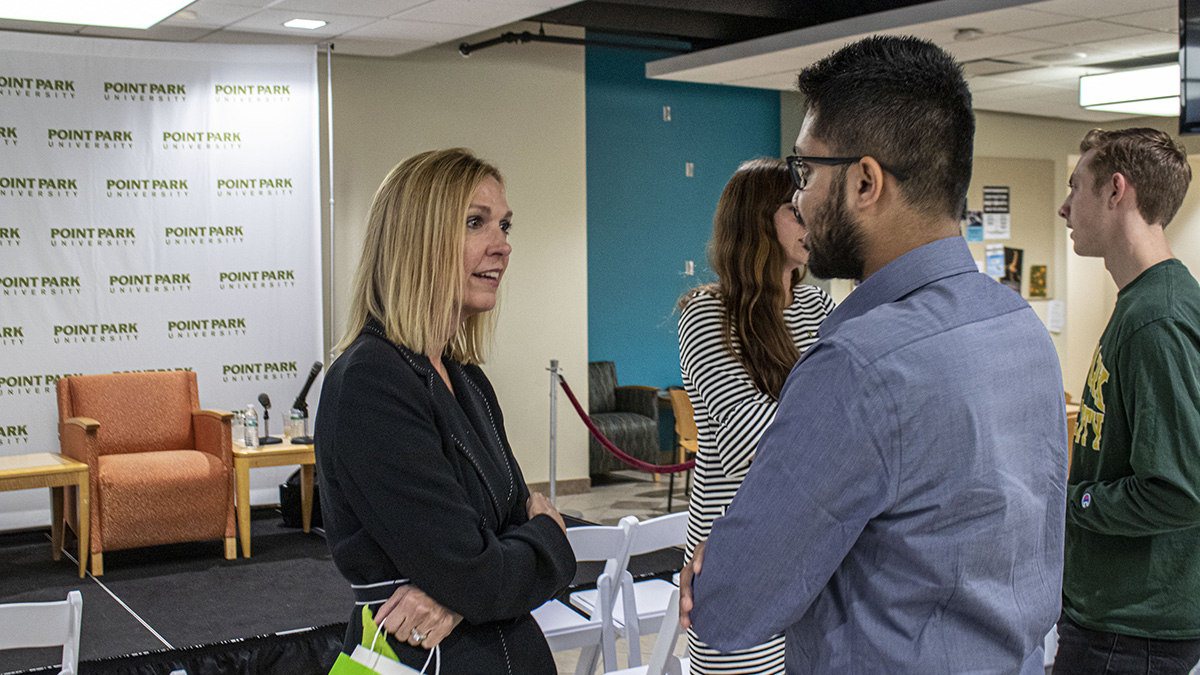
{"x": 1133, "y": 498}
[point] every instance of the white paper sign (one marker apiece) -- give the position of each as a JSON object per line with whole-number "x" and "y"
{"x": 1056, "y": 316}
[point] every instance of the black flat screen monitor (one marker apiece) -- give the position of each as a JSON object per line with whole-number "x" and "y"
{"x": 1189, "y": 66}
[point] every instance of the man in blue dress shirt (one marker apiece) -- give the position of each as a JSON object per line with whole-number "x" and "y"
{"x": 904, "y": 513}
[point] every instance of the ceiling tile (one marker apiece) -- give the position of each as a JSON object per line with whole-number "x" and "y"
{"x": 1079, "y": 32}
{"x": 1005, "y": 20}
{"x": 991, "y": 83}
{"x": 470, "y": 12}
{"x": 418, "y": 31}
{"x": 381, "y": 48}
{"x": 991, "y": 46}
{"x": 1142, "y": 45}
{"x": 1095, "y": 9}
{"x": 209, "y": 14}
{"x": 1164, "y": 20}
{"x": 234, "y": 37}
{"x": 159, "y": 32}
{"x": 271, "y": 21}
{"x": 380, "y": 9}
{"x": 1094, "y": 53}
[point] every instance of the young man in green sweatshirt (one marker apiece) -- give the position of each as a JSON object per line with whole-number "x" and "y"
{"x": 1131, "y": 579}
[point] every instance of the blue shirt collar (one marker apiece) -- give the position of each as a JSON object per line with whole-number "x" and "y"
{"x": 919, "y": 267}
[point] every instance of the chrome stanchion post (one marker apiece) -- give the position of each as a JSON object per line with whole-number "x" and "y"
{"x": 553, "y": 431}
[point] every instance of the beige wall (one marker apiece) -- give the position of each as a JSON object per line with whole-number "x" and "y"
{"x": 521, "y": 107}
{"x": 1052, "y": 144}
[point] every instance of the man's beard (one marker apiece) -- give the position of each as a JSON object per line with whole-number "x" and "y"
{"x": 837, "y": 254}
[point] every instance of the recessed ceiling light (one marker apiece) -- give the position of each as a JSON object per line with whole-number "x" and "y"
{"x": 967, "y": 34}
{"x": 140, "y": 14}
{"x": 1058, "y": 57}
{"x": 1142, "y": 91}
{"x": 306, "y": 24}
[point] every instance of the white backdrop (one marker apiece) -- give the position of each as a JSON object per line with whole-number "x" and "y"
{"x": 158, "y": 210}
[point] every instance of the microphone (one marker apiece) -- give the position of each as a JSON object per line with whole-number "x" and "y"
{"x": 301, "y": 404}
{"x": 266, "y": 438}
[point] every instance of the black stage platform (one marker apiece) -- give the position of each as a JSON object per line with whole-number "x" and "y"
{"x": 184, "y": 606}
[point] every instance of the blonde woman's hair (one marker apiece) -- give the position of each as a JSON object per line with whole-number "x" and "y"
{"x": 410, "y": 276}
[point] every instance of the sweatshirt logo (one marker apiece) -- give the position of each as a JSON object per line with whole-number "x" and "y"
{"x": 1091, "y": 407}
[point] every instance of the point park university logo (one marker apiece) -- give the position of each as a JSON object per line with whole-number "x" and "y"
{"x": 145, "y": 187}
{"x": 29, "y": 385}
{"x": 206, "y": 328}
{"x": 9, "y": 136}
{"x": 89, "y": 139}
{"x": 36, "y": 87}
{"x": 89, "y": 236}
{"x": 14, "y": 434}
{"x": 145, "y": 92}
{"x": 202, "y": 140}
{"x": 254, "y": 187}
{"x": 95, "y": 333}
{"x": 33, "y": 286}
{"x": 38, "y": 187}
{"x": 230, "y": 281}
{"x": 10, "y": 236}
{"x": 252, "y": 93}
{"x": 12, "y": 336}
{"x": 120, "y": 284}
{"x": 253, "y": 372}
{"x": 203, "y": 234}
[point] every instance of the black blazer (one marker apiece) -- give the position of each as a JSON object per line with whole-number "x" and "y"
{"x": 418, "y": 483}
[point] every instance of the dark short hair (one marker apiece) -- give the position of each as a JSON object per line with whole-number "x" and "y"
{"x": 1153, "y": 163}
{"x": 904, "y": 102}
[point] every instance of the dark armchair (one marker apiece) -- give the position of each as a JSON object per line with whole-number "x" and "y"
{"x": 627, "y": 416}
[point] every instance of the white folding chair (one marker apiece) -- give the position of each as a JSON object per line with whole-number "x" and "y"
{"x": 44, "y": 624}
{"x": 662, "y": 659}
{"x": 595, "y": 634}
{"x": 650, "y": 598}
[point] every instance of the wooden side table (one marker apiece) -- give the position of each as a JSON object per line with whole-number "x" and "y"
{"x": 281, "y": 454}
{"x": 52, "y": 470}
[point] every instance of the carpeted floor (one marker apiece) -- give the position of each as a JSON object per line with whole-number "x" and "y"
{"x": 170, "y": 600}
{"x": 177, "y": 596}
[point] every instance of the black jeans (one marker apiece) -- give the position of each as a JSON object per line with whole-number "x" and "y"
{"x": 1082, "y": 651}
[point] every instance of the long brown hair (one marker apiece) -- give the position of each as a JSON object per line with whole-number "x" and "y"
{"x": 410, "y": 276}
{"x": 746, "y": 255}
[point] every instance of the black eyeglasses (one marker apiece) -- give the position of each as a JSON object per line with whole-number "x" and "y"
{"x": 800, "y": 176}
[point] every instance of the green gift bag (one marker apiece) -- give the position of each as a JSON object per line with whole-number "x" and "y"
{"x": 378, "y": 658}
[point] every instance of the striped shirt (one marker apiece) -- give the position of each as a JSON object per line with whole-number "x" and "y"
{"x": 731, "y": 415}
{"x": 731, "y": 412}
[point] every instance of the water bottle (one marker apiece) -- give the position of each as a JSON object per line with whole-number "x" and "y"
{"x": 239, "y": 427}
{"x": 295, "y": 425}
{"x": 251, "y": 427}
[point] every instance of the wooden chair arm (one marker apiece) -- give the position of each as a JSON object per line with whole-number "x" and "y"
{"x": 87, "y": 423}
{"x": 223, "y": 415}
{"x": 638, "y": 386}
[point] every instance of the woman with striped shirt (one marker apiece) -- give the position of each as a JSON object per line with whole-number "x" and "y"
{"x": 738, "y": 340}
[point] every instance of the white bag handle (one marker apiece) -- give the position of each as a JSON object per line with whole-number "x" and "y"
{"x": 436, "y": 651}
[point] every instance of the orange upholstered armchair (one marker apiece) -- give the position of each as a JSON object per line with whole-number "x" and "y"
{"x": 160, "y": 468}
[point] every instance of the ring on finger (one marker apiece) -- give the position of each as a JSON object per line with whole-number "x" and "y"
{"x": 417, "y": 636}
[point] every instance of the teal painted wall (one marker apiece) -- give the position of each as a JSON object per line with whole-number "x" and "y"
{"x": 645, "y": 217}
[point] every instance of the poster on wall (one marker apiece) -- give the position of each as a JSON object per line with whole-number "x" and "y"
{"x": 997, "y": 223}
{"x": 158, "y": 211}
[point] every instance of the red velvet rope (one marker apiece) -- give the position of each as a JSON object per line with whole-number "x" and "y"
{"x": 616, "y": 452}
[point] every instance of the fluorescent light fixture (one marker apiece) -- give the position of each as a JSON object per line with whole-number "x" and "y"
{"x": 306, "y": 24}
{"x": 1141, "y": 91}
{"x": 115, "y": 13}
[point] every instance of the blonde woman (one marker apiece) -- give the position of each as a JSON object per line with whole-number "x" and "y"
{"x": 738, "y": 340}
{"x": 425, "y": 509}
